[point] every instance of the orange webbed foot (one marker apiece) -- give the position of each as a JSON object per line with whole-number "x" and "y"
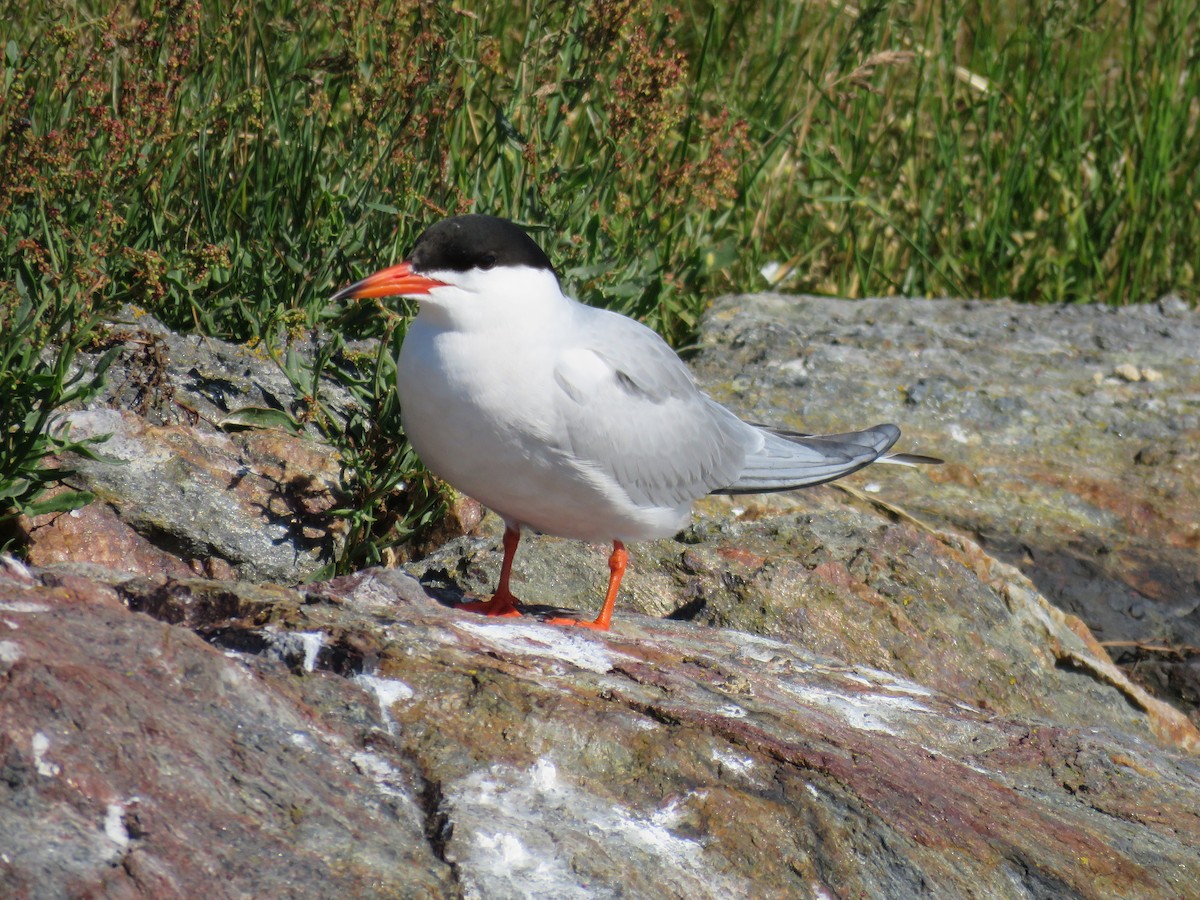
{"x": 616, "y": 566}
{"x": 595, "y": 626}
{"x": 499, "y": 606}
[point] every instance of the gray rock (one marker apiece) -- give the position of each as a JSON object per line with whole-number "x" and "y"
{"x": 838, "y": 581}
{"x": 859, "y": 689}
{"x": 432, "y": 752}
{"x": 173, "y": 379}
{"x": 138, "y": 760}
{"x": 1089, "y": 483}
{"x": 184, "y": 500}
{"x": 177, "y": 493}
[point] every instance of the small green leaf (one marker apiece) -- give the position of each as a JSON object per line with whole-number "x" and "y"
{"x": 64, "y": 502}
{"x": 13, "y": 489}
{"x": 259, "y": 417}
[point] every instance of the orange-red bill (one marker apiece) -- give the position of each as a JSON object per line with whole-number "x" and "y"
{"x": 395, "y": 281}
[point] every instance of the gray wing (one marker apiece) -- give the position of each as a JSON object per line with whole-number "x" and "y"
{"x": 633, "y": 412}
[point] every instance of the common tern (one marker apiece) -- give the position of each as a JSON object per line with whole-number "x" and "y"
{"x": 568, "y": 419}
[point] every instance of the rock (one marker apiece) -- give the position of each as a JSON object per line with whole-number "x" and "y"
{"x": 1040, "y": 457}
{"x": 249, "y": 505}
{"x": 929, "y": 607}
{"x": 173, "y": 379}
{"x": 1173, "y": 305}
{"x": 176, "y": 493}
{"x": 433, "y": 752}
{"x": 138, "y": 760}
{"x": 852, "y": 690}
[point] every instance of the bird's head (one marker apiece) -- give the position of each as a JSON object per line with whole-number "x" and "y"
{"x": 462, "y": 262}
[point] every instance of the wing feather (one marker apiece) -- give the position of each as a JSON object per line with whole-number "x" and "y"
{"x": 788, "y": 460}
{"x": 636, "y": 416}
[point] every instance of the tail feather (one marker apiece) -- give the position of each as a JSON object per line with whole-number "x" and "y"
{"x": 789, "y": 459}
{"x": 910, "y": 459}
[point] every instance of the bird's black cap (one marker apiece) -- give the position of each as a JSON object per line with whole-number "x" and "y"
{"x": 468, "y": 242}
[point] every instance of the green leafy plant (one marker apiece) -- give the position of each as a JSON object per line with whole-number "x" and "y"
{"x": 35, "y": 381}
{"x": 387, "y": 497}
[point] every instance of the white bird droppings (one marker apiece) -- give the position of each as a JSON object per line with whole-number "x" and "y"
{"x": 387, "y": 691}
{"x": 114, "y": 825}
{"x": 958, "y": 433}
{"x": 10, "y": 652}
{"x": 22, "y": 606}
{"x": 44, "y": 767}
{"x": 295, "y": 647}
{"x": 313, "y": 641}
{"x": 548, "y": 642}
{"x": 387, "y": 778}
{"x": 878, "y": 711}
{"x": 733, "y": 762}
{"x": 510, "y": 823}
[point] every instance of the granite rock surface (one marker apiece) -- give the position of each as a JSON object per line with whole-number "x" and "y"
{"x": 893, "y": 688}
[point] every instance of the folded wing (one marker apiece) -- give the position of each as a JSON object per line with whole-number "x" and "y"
{"x": 633, "y": 414}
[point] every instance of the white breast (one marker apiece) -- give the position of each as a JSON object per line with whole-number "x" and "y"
{"x": 483, "y": 411}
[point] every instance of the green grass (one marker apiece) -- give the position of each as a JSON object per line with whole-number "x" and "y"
{"x": 227, "y": 166}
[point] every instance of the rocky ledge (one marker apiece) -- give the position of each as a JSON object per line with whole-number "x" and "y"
{"x": 888, "y": 689}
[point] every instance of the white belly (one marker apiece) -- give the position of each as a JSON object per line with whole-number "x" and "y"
{"x": 493, "y": 430}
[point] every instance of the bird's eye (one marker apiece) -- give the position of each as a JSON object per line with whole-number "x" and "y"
{"x": 487, "y": 261}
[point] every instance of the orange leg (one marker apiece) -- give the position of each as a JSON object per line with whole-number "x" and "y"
{"x": 502, "y": 603}
{"x": 616, "y": 567}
